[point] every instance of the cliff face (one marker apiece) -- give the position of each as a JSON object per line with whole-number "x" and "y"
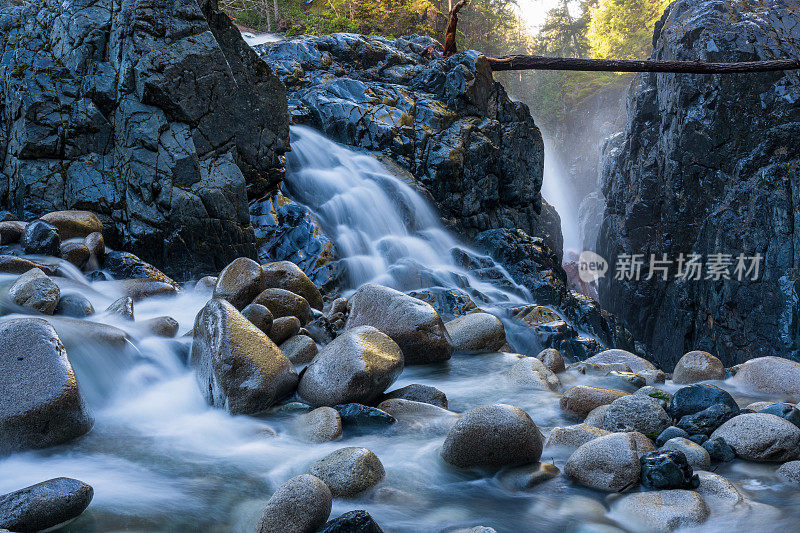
{"x": 479, "y": 154}
{"x": 710, "y": 164}
{"x": 154, "y": 114}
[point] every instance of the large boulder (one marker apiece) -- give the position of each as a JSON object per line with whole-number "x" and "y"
{"x": 493, "y": 436}
{"x": 761, "y": 437}
{"x": 531, "y": 373}
{"x": 74, "y": 224}
{"x": 45, "y": 506}
{"x": 300, "y": 505}
{"x": 476, "y": 332}
{"x": 774, "y": 376}
{"x": 103, "y": 86}
{"x": 697, "y": 366}
{"x": 413, "y": 324}
{"x": 35, "y": 291}
{"x": 240, "y": 282}
{"x": 348, "y": 471}
{"x": 238, "y": 367}
{"x": 358, "y": 366}
{"x": 609, "y": 463}
{"x": 687, "y": 177}
{"x": 41, "y": 404}
{"x": 287, "y": 275}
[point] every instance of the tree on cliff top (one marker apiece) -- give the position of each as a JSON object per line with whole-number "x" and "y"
{"x": 623, "y": 29}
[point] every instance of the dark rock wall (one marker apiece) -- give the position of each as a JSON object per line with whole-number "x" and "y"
{"x": 711, "y": 164}
{"x": 152, "y": 113}
{"x": 478, "y": 153}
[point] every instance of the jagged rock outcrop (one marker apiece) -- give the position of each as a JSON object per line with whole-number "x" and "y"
{"x": 153, "y": 114}
{"x": 479, "y": 154}
{"x": 709, "y": 164}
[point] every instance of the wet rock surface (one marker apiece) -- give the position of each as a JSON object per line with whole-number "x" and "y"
{"x": 687, "y": 177}
{"x": 185, "y": 152}
{"x": 41, "y": 404}
{"x": 301, "y": 504}
{"x": 45, "y": 505}
{"x": 348, "y": 471}
{"x": 667, "y": 469}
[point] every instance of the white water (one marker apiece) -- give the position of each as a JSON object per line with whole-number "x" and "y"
{"x": 160, "y": 459}
{"x": 558, "y": 192}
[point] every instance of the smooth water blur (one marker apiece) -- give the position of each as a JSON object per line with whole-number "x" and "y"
{"x": 160, "y": 459}
{"x": 558, "y": 191}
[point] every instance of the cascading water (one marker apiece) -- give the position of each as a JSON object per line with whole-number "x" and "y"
{"x": 160, "y": 459}
{"x": 557, "y": 190}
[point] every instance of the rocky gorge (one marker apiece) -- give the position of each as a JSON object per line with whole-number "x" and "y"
{"x": 356, "y": 323}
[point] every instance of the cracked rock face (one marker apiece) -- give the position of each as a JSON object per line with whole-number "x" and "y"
{"x": 479, "y": 154}
{"x": 155, "y": 115}
{"x": 709, "y": 164}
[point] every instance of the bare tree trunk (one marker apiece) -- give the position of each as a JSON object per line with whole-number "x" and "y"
{"x": 269, "y": 18}
{"x": 452, "y": 26}
{"x": 277, "y": 15}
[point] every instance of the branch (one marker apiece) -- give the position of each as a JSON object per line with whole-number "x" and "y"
{"x": 530, "y": 62}
{"x": 450, "y": 35}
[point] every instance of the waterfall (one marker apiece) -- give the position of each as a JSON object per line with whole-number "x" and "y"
{"x": 557, "y": 190}
{"x": 385, "y": 231}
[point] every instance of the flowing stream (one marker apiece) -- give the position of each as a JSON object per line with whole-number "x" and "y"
{"x": 160, "y": 459}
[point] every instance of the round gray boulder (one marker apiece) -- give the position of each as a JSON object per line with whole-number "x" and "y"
{"x": 580, "y": 400}
{"x": 323, "y": 424}
{"x": 300, "y": 349}
{"x": 532, "y": 373}
{"x": 357, "y": 367}
{"x": 774, "y": 376}
{"x": 552, "y": 359}
{"x": 636, "y": 413}
{"x": 476, "y": 333}
{"x": 574, "y": 436}
{"x": 348, "y": 471}
{"x": 413, "y": 324}
{"x": 697, "y": 366}
{"x": 633, "y": 361}
{"x": 493, "y": 436}
{"x": 660, "y": 511}
{"x": 300, "y": 505}
{"x": 609, "y": 463}
{"x": 761, "y": 437}
{"x": 34, "y": 290}
{"x": 696, "y": 455}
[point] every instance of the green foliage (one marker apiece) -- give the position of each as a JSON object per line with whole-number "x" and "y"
{"x": 623, "y": 29}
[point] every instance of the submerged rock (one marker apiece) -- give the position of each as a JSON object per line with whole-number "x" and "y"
{"x": 356, "y": 367}
{"x": 35, "y": 291}
{"x": 419, "y": 417}
{"x": 41, "y": 404}
{"x": 476, "y": 333}
{"x": 44, "y": 506}
{"x": 300, "y": 505}
{"x": 320, "y": 425}
{"x": 419, "y": 393}
{"x": 493, "y": 436}
{"x": 238, "y": 367}
{"x": 358, "y": 521}
{"x": 661, "y": 511}
{"x": 413, "y": 324}
{"x": 531, "y": 373}
{"x": 348, "y": 471}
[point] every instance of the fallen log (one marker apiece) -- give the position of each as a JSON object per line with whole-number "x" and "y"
{"x": 533, "y": 62}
